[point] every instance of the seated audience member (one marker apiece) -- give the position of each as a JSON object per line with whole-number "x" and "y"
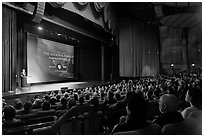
{"x": 76, "y": 97}
{"x": 71, "y": 103}
{"x": 18, "y": 105}
{"x": 136, "y": 111}
{"x": 110, "y": 98}
{"x": 35, "y": 97}
{"x": 95, "y": 100}
{"x": 47, "y": 98}
{"x": 9, "y": 117}
{"x": 118, "y": 107}
{"x": 168, "y": 105}
{"x": 81, "y": 100}
{"x": 45, "y": 105}
{"x": 87, "y": 97}
{"x": 53, "y": 101}
{"x": 37, "y": 104}
{"x": 3, "y": 104}
{"x": 117, "y": 96}
{"x": 66, "y": 95}
{"x": 190, "y": 126}
{"x": 194, "y": 97}
{"x": 63, "y": 104}
{"x": 102, "y": 95}
{"x": 58, "y": 97}
{"x": 27, "y": 108}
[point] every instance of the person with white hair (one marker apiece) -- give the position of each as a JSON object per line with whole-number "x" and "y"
{"x": 168, "y": 105}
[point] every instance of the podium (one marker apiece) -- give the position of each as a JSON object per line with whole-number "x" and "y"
{"x": 24, "y": 81}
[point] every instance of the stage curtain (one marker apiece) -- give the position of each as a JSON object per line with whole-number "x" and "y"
{"x": 194, "y": 47}
{"x": 138, "y": 49}
{"x": 9, "y": 49}
{"x": 173, "y": 48}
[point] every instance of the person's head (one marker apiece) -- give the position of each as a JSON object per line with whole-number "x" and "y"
{"x": 53, "y": 100}
{"x": 63, "y": 101}
{"x": 95, "y": 100}
{"x": 76, "y": 97}
{"x": 87, "y": 97}
{"x": 45, "y": 105}
{"x": 168, "y": 103}
{"x": 137, "y": 106}
{"x": 18, "y": 105}
{"x": 58, "y": 98}
{"x": 118, "y": 96}
{"x": 36, "y": 96}
{"x": 81, "y": 100}
{"x": 194, "y": 96}
{"x": 110, "y": 94}
{"x": 38, "y": 103}
{"x": 47, "y": 97}
{"x": 27, "y": 106}
{"x": 9, "y": 113}
{"x": 66, "y": 95}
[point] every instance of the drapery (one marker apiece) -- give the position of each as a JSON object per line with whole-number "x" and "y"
{"x": 194, "y": 47}
{"x": 173, "y": 48}
{"x": 138, "y": 49}
{"x": 9, "y": 49}
{"x": 100, "y": 13}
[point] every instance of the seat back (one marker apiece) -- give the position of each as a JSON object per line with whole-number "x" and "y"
{"x": 186, "y": 127}
{"x": 152, "y": 129}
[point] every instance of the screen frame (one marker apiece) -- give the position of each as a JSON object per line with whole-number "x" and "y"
{"x": 74, "y": 45}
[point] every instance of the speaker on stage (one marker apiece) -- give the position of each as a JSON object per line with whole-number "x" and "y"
{"x": 24, "y": 79}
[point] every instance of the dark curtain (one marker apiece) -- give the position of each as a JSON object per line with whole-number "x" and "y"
{"x": 138, "y": 49}
{"x": 173, "y": 47}
{"x": 194, "y": 46}
{"x": 9, "y": 49}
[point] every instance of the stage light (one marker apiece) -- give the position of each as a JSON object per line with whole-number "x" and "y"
{"x": 172, "y": 65}
{"x": 193, "y": 65}
{"x": 40, "y": 28}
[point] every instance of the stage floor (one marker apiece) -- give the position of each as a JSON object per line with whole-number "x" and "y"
{"x": 49, "y": 87}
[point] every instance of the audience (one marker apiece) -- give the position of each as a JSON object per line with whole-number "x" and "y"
{"x": 173, "y": 93}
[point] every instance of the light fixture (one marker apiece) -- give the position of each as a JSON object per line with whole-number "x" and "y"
{"x": 40, "y": 28}
{"x": 193, "y": 65}
{"x": 172, "y": 65}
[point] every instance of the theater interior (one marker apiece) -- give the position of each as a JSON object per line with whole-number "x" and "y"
{"x": 102, "y": 68}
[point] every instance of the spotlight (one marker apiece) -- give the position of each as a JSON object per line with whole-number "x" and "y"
{"x": 193, "y": 65}
{"x": 172, "y": 65}
{"x": 40, "y": 28}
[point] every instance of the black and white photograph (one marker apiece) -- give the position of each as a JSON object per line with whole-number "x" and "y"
{"x": 101, "y": 68}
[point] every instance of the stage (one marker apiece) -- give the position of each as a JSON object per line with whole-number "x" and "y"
{"x": 42, "y": 88}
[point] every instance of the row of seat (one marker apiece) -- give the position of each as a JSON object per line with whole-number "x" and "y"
{"x": 78, "y": 120}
